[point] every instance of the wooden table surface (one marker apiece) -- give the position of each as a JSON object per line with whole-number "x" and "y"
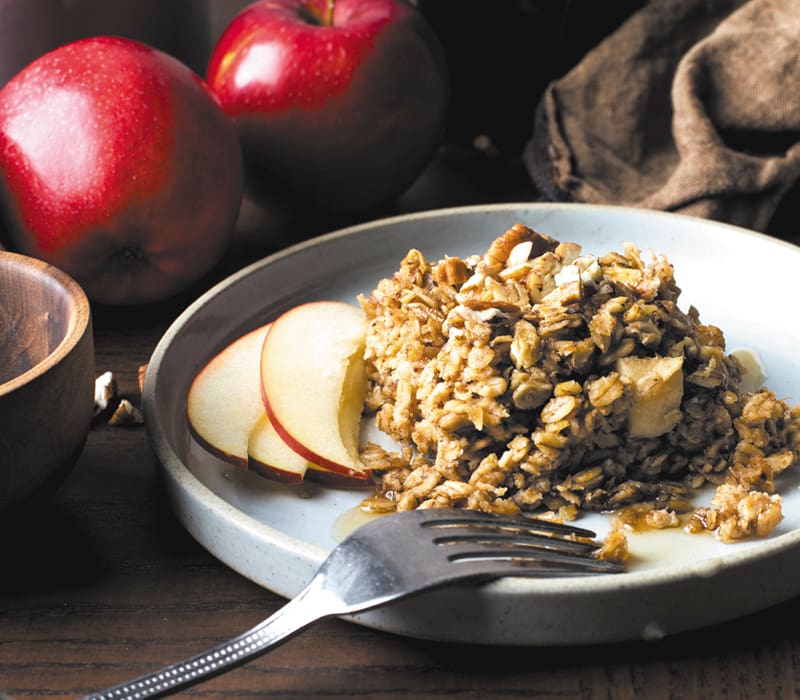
{"x": 101, "y": 582}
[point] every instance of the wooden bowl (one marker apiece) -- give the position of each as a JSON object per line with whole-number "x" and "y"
{"x": 47, "y": 376}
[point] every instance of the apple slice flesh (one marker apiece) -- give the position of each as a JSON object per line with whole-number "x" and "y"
{"x": 224, "y": 400}
{"x": 314, "y": 382}
{"x": 268, "y": 455}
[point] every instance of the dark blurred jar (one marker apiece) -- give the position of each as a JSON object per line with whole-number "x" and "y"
{"x": 30, "y": 28}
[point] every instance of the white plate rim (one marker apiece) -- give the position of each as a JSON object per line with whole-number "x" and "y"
{"x": 185, "y": 487}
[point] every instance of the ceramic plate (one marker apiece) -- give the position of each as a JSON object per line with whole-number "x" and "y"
{"x": 277, "y": 536}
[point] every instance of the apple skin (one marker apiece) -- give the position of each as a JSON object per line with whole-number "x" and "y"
{"x": 330, "y": 479}
{"x": 119, "y": 167}
{"x": 339, "y": 116}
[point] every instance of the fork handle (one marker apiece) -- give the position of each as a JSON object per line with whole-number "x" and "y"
{"x": 309, "y": 606}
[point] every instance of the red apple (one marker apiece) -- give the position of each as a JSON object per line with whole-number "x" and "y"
{"x": 119, "y": 167}
{"x": 339, "y": 105}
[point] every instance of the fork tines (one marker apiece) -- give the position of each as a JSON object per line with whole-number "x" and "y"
{"x": 538, "y": 547}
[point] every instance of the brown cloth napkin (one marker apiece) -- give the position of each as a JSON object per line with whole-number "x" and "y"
{"x": 690, "y": 106}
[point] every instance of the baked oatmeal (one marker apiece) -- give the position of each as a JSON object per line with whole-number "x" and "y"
{"x": 538, "y": 378}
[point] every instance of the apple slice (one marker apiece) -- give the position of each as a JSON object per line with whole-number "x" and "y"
{"x": 224, "y": 400}
{"x": 313, "y": 383}
{"x": 268, "y": 455}
{"x": 226, "y": 416}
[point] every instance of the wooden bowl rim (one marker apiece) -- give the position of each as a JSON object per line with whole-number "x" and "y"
{"x": 79, "y": 321}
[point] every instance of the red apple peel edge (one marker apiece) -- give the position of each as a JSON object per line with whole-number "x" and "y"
{"x": 318, "y": 460}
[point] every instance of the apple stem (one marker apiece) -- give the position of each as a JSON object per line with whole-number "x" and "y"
{"x": 329, "y": 12}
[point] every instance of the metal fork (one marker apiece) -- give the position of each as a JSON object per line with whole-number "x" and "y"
{"x": 391, "y": 558}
